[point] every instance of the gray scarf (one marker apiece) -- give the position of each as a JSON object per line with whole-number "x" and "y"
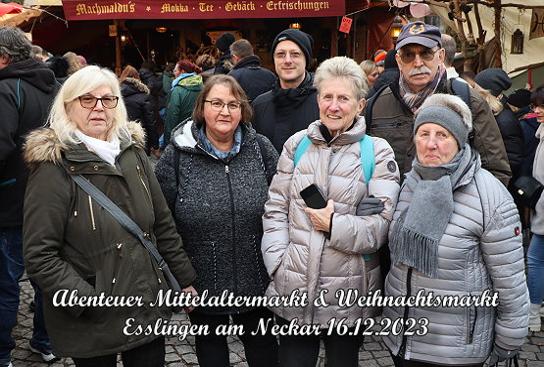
{"x": 415, "y": 237}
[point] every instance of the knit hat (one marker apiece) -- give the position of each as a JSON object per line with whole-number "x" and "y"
{"x": 223, "y": 43}
{"x": 419, "y": 33}
{"x": 448, "y": 111}
{"x": 520, "y": 98}
{"x": 302, "y": 39}
{"x": 495, "y": 80}
{"x": 379, "y": 57}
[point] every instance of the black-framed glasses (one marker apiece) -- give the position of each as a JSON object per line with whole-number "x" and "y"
{"x": 217, "y": 105}
{"x": 89, "y": 101}
{"x": 427, "y": 54}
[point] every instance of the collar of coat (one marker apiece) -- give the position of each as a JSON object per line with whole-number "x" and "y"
{"x": 350, "y": 136}
{"x": 43, "y": 145}
{"x": 136, "y": 85}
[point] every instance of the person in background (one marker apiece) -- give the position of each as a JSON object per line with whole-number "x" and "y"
{"x": 247, "y": 70}
{"x": 291, "y": 105}
{"x": 455, "y": 233}
{"x": 59, "y": 66}
{"x": 389, "y": 75}
{"x": 450, "y": 48}
{"x": 495, "y": 81}
{"x": 379, "y": 59}
{"x": 168, "y": 77}
{"x": 138, "y": 104}
{"x": 71, "y": 244}
{"x": 74, "y": 63}
{"x": 224, "y": 64}
{"x": 371, "y": 72}
{"x": 333, "y": 248}
{"x": 27, "y": 88}
{"x": 214, "y": 174}
{"x": 535, "y": 255}
{"x": 185, "y": 88}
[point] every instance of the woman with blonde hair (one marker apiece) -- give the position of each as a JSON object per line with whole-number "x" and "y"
{"x": 74, "y": 248}
{"x": 74, "y": 63}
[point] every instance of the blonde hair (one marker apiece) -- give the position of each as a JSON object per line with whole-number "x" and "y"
{"x": 493, "y": 102}
{"x": 81, "y": 82}
{"x": 73, "y": 62}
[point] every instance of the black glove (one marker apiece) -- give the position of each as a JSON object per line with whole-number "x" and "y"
{"x": 369, "y": 206}
{"x": 499, "y": 354}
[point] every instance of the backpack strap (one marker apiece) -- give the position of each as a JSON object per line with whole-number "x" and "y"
{"x": 367, "y": 157}
{"x": 302, "y": 147}
{"x": 367, "y": 154}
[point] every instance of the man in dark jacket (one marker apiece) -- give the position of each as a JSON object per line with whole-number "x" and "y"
{"x": 254, "y": 79}
{"x": 27, "y": 89}
{"x": 390, "y": 113}
{"x": 292, "y": 104}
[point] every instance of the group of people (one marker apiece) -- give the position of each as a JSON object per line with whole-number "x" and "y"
{"x": 419, "y": 169}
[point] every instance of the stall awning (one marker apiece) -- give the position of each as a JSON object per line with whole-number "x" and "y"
{"x": 200, "y": 9}
{"x": 13, "y": 14}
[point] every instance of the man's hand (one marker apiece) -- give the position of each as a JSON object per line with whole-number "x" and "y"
{"x": 321, "y": 218}
{"x": 190, "y": 289}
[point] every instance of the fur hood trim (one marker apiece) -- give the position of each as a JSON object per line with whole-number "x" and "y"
{"x": 43, "y": 145}
{"x": 137, "y": 84}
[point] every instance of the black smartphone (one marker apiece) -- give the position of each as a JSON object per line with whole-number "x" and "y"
{"x": 313, "y": 197}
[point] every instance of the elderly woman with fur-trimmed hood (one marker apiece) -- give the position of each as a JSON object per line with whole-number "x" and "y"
{"x": 455, "y": 236}
{"x": 74, "y": 250}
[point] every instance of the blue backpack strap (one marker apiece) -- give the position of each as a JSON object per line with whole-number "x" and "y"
{"x": 302, "y": 147}
{"x": 367, "y": 157}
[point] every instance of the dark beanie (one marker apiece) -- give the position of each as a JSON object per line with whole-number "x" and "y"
{"x": 390, "y": 61}
{"x": 494, "y": 80}
{"x": 520, "y": 98}
{"x": 302, "y": 39}
{"x": 223, "y": 43}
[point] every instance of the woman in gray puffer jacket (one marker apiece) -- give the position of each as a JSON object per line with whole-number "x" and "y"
{"x": 455, "y": 235}
{"x": 320, "y": 252}
{"x": 214, "y": 175}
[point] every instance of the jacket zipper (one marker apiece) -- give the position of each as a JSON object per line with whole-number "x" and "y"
{"x": 402, "y": 350}
{"x": 93, "y": 223}
{"x": 143, "y": 183}
{"x": 386, "y": 125}
{"x": 471, "y": 323}
{"x": 231, "y": 196}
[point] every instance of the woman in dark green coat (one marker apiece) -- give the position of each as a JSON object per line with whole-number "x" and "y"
{"x": 75, "y": 250}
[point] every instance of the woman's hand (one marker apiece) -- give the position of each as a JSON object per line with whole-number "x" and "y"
{"x": 192, "y": 290}
{"x": 321, "y": 218}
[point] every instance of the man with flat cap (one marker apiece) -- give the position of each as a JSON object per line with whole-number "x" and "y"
{"x": 292, "y": 104}
{"x": 390, "y": 113}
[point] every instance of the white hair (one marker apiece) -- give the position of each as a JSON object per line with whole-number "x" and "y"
{"x": 81, "y": 82}
{"x": 342, "y": 67}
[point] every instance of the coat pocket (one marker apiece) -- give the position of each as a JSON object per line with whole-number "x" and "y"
{"x": 470, "y": 323}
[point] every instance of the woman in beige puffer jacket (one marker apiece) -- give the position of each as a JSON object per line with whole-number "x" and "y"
{"x": 319, "y": 252}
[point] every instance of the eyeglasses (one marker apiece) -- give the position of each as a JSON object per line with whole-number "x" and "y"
{"x": 294, "y": 55}
{"x": 89, "y": 101}
{"x": 217, "y": 105}
{"x": 426, "y": 54}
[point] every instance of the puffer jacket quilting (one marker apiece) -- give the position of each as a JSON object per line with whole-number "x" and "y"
{"x": 481, "y": 249}
{"x": 298, "y": 257}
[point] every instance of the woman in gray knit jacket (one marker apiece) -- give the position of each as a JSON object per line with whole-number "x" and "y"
{"x": 214, "y": 175}
{"x": 455, "y": 236}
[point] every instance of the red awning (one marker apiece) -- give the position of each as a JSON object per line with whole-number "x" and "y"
{"x": 200, "y": 9}
{"x": 10, "y": 8}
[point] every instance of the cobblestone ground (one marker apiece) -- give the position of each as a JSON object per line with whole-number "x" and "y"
{"x": 372, "y": 354}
